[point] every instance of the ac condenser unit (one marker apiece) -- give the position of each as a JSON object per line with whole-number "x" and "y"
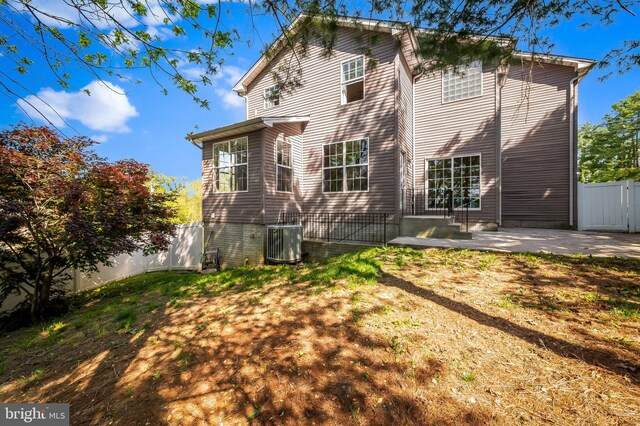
{"x": 284, "y": 243}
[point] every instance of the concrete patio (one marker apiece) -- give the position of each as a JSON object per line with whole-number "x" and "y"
{"x": 538, "y": 240}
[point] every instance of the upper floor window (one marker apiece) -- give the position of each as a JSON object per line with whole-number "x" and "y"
{"x": 230, "y": 165}
{"x": 464, "y": 83}
{"x": 284, "y": 169}
{"x": 345, "y": 166}
{"x": 352, "y": 79}
{"x": 271, "y": 96}
{"x": 461, "y": 175}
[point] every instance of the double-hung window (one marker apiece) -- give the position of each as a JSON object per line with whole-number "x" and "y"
{"x": 284, "y": 169}
{"x": 345, "y": 166}
{"x": 461, "y": 175}
{"x": 271, "y": 96}
{"x": 352, "y": 80}
{"x": 230, "y": 165}
{"x": 463, "y": 83}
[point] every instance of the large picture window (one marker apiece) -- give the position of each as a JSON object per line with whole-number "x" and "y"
{"x": 284, "y": 169}
{"x": 345, "y": 166}
{"x": 230, "y": 165}
{"x": 463, "y": 83}
{"x": 459, "y": 174}
{"x": 352, "y": 79}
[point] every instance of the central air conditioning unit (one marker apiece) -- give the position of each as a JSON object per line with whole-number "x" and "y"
{"x": 284, "y": 243}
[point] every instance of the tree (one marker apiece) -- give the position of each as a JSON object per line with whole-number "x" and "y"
{"x": 610, "y": 151}
{"x": 110, "y": 38}
{"x": 187, "y": 196}
{"x": 63, "y": 207}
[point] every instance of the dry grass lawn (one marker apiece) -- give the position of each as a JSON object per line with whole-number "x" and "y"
{"x": 386, "y": 336}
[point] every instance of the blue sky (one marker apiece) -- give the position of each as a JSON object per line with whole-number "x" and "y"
{"x": 150, "y": 127}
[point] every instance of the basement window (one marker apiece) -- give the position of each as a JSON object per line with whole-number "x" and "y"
{"x": 352, "y": 80}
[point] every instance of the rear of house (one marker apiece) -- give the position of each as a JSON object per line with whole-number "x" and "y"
{"x": 495, "y": 140}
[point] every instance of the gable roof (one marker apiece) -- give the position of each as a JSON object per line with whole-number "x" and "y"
{"x": 399, "y": 29}
{"x": 244, "y": 127}
{"x": 409, "y": 47}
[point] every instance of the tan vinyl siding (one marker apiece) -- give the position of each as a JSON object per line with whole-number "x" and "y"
{"x": 459, "y": 128}
{"x": 535, "y": 144}
{"x": 235, "y": 207}
{"x": 277, "y": 202}
{"x": 405, "y": 117}
{"x": 320, "y": 98}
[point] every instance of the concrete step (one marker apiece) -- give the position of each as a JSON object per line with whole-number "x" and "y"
{"x": 432, "y": 227}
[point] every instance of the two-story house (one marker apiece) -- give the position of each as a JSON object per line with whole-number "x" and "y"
{"x": 386, "y": 139}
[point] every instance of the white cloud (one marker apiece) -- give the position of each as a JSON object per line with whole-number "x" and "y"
{"x": 192, "y": 73}
{"x": 100, "y": 138}
{"x": 229, "y": 98}
{"x": 163, "y": 33}
{"x": 47, "y": 9}
{"x": 231, "y": 74}
{"x": 107, "y": 109}
{"x": 223, "y": 83}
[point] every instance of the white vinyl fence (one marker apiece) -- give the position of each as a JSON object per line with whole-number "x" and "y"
{"x": 610, "y": 206}
{"x": 184, "y": 253}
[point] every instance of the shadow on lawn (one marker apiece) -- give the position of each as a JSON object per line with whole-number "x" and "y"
{"x": 251, "y": 353}
{"x": 596, "y": 357}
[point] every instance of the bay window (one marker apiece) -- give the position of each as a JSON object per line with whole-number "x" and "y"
{"x": 230, "y": 165}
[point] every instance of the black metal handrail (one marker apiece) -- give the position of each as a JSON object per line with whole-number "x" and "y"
{"x": 416, "y": 204}
{"x": 356, "y": 227}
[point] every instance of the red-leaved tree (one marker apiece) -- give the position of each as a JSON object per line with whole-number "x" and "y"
{"x": 63, "y": 207}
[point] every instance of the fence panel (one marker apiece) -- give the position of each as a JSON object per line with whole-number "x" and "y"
{"x": 606, "y": 206}
{"x": 183, "y": 253}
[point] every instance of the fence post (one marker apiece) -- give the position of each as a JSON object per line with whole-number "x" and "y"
{"x": 384, "y": 237}
{"x": 326, "y": 222}
{"x": 631, "y": 204}
{"x": 580, "y": 205}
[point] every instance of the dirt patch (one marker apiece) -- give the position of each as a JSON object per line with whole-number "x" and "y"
{"x": 389, "y": 336}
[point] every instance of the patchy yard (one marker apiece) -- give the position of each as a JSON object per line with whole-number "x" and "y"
{"x": 386, "y": 336}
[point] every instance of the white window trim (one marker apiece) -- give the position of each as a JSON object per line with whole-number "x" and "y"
{"x": 344, "y": 167}
{"x": 463, "y": 99}
{"x": 426, "y": 178}
{"x": 267, "y": 103}
{"x": 215, "y": 169}
{"x": 343, "y": 93}
{"x": 286, "y": 167}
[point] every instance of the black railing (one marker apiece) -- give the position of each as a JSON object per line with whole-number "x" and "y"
{"x": 351, "y": 227}
{"x": 417, "y": 204}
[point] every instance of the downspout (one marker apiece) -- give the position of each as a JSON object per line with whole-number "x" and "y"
{"x": 501, "y": 78}
{"x": 413, "y": 132}
{"x": 572, "y": 91}
{"x": 246, "y": 105}
{"x": 413, "y": 141}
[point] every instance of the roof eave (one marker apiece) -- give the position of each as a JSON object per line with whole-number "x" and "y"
{"x": 582, "y": 65}
{"x": 241, "y": 127}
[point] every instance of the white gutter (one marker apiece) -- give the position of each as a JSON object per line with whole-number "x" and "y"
{"x": 572, "y": 91}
